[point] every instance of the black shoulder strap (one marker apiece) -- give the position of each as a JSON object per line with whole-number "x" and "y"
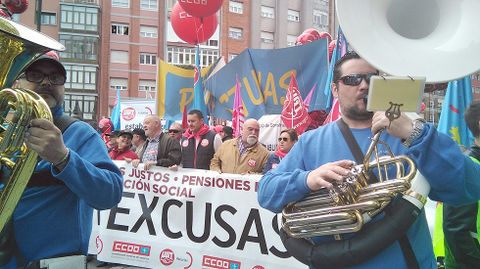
{"x": 351, "y": 142}
{"x": 63, "y": 122}
{"x": 405, "y": 245}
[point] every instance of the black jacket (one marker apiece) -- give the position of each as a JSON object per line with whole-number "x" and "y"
{"x": 169, "y": 152}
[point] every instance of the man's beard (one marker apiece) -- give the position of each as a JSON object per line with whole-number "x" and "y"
{"x": 252, "y": 140}
{"x": 356, "y": 114}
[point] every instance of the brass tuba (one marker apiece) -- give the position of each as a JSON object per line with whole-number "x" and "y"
{"x": 19, "y": 46}
{"x": 349, "y": 205}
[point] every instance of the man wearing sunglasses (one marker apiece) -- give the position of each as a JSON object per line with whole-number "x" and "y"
{"x": 175, "y": 131}
{"x": 323, "y": 156}
{"x": 53, "y": 220}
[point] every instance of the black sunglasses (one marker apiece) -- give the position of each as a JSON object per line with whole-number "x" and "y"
{"x": 174, "y": 131}
{"x": 37, "y": 77}
{"x": 356, "y": 79}
{"x": 285, "y": 139}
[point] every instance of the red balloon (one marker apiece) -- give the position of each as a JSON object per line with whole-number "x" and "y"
{"x": 16, "y": 6}
{"x": 192, "y": 30}
{"x": 311, "y": 35}
{"x": 327, "y": 36}
{"x": 331, "y": 47}
{"x": 201, "y": 8}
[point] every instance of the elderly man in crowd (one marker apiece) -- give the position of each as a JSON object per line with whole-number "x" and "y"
{"x": 243, "y": 154}
{"x": 160, "y": 149}
{"x": 122, "y": 150}
{"x": 175, "y": 131}
{"x": 138, "y": 140}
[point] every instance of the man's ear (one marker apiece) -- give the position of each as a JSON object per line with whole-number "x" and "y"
{"x": 16, "y": 84}
{"x": 334, "y": 89}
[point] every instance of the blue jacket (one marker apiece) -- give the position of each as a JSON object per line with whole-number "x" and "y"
{"x": 57, "y": 219}
{"x": 453, "y": 178}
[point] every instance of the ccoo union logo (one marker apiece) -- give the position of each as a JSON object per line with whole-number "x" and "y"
{"x": 124, "y": 247}
{"x": 128, "y": 113}
{"x": 219, "y": 263}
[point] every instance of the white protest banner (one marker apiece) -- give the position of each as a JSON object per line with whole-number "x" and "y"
{"x": 270, "y": 128}
{"x": 132, "y": 113}
{"x": 189, "y": 219}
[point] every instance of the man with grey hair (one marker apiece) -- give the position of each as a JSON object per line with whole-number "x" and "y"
{"x": 243, "y": 154}
{"x": 159, "y": 149}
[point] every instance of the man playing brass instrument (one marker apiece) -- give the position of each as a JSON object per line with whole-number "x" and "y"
{"x": 54, "y": 216}
{"x": 322, "y": 157}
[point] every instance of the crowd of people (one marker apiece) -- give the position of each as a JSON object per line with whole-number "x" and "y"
{"x": 199, "y": 146}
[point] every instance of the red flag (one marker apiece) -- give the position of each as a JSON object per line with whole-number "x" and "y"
{"x": 334, "y": 112}
{"x": 184, "y": 118}
{"x": 295, "y": 113}
{"x": 237, "y": 115}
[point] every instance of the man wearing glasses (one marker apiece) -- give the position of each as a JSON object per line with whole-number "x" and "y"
{"x": 175, "y": 131}
{"x": 53, "y": 220}
{"x": 323, "y": 156}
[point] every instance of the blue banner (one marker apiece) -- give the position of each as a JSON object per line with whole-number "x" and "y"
{"x": 264, "y": 77}
{"x": 457, "y": 98}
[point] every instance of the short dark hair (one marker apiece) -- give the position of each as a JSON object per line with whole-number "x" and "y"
{"x": 227, "y": 130}
{"x": 196, "y": 112}
{"x": 292, "y": 133}
{"x": 337, "y": 74}
{"x": 472, "y": 117}
{"x": 140, "y": 132}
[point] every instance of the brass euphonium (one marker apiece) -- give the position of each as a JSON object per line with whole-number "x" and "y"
{"x": 349, "y": 205}
{"x": 19, "y": 47}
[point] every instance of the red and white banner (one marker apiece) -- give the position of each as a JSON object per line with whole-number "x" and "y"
{"x": 189, "y": 219}
{"x": 295, "y": 113}
{"x": 133, "y": 112}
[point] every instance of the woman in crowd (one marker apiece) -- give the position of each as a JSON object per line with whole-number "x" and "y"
{"x": 286, "y": 140}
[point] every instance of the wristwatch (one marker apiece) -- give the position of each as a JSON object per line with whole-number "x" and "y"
{"x": 418, "y": 126}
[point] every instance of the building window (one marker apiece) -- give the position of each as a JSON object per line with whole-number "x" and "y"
{"x": 267, "y": 12}
{"x": 79, "y": 47}
{"x": 186, "y": 56}
{"x": 212, "y": 43}
{"x": 235, "y": 33}
{"x": 148, "y": 59}
{"x": 231, "y": 56}
{"x": 49, "y": 18}
{"x": 148, "y": 31}
{"x": 118, "y": 56}
{"x": 320, "y": 18}
{"x": 118, "y": 84}
{"x": 121, "y": 3}
{"x": 293, "y": 15}
{"x": 235, "y": 7}
{"x": 291, "y": 40}
{"x": 119, "y": 29}
{"x": 148, "y": 4}
{"x": 147, "y": 86}
{"x": 85, "y": 102}
{"x": 81, "y": 77}
{"x": 266, "y": 37}
{"x": 79, "y": 18}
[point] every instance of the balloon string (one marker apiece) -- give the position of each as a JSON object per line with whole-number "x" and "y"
{"x": 199, "y": 28}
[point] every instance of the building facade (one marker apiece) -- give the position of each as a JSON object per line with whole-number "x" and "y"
{"x": 117, "y": 44}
